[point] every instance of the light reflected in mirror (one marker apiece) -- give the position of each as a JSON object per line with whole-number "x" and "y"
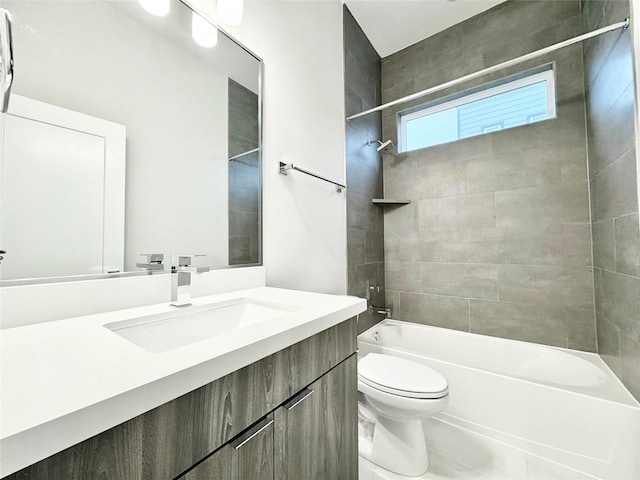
{"x": 188, "y": 177}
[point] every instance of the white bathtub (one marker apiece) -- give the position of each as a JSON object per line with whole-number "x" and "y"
{"x": 551, "y": 406}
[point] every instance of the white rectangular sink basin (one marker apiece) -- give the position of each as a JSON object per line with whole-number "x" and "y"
{"x": 166, "y": 331}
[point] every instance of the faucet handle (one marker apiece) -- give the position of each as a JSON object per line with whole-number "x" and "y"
{"x": 184, "y": 260}
{"x": 153, "y": 257}
{"x": 154, "y": 261}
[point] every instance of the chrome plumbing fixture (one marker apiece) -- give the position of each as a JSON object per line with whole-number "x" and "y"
{"x": 383, "y": 147}
{"x": 181, "y": 271}
{"x": 386, "y": 311}
{"x": 154, "y": 262}
{"x": 371, "y": 288}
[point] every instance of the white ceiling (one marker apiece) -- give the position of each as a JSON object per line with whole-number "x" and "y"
{"x": 392, "y": 25}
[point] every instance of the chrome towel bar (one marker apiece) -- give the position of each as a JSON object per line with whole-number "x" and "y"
{"x": 284, "y": 168}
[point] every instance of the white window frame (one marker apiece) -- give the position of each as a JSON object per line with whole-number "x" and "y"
{"x": 546, "y": 75}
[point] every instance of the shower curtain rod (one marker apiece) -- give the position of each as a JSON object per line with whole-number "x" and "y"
{"x": 500, "y": 66}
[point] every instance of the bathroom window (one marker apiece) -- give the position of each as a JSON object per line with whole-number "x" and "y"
{"x": 513, "y": 102}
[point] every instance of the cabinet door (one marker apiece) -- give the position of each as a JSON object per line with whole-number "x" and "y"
{"x": 249, "y": 456}
{"x": 316, "y": 431}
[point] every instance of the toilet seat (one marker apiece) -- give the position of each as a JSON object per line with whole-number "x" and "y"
{"x": 402, "y": 377}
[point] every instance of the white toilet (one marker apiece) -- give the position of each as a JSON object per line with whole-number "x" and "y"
{"x": 398, "y": 394}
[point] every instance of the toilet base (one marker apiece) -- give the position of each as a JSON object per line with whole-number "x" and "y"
{"x": 397, "y": 446}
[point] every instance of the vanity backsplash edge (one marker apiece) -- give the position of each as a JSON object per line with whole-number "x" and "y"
{"x": 30, "y": 304}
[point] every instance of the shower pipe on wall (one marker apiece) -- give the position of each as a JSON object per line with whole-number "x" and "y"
{"x": 529, "y": 56}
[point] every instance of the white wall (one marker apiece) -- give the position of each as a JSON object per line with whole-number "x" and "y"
{"x": 304, "y": 227}
{"x": 305, "y": 219}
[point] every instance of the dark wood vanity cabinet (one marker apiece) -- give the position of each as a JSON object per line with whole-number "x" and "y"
{"x": 195, "y": 436}
{"x": 315, "y": 434}
{"x": 311, "y": 436}
{"x": 249, "y": 456}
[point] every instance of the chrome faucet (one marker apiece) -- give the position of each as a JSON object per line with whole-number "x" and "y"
{"x": 181, "y": 271}
{"x": 386, "y": 311}
{"x": 154, "y": 262}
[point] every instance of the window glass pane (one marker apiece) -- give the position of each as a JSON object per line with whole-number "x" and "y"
{"x": 441, "y": 127}
{"x": 510, "y": 109}
{"x": 506, "y": 109}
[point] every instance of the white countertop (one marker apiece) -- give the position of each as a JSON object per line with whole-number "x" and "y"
{"x": 67, "y": 380}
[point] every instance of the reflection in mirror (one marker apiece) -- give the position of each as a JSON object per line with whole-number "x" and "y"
{"x": 244, "y": 178}
{"x": 51, "y": 157}
{"x": 192, "y": 122}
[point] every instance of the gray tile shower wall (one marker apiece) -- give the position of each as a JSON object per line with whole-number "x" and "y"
{"x": 365, "y": 224}
{"x": 497, "y": 240}
{"x": 244, "y": 176}
{"x": 614, "y": 198}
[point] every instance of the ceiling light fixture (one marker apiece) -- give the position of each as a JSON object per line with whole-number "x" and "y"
{"x": 202, "y": 32}
{"x": 159, "y": 8}
{"x": 230, "y": 11}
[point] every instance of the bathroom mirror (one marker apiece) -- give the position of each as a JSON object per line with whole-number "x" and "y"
{"x": 127, "y": 133}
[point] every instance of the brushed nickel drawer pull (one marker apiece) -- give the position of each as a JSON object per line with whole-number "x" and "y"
{"x": 298, "y": 398}
{"x": 252, "y": 432}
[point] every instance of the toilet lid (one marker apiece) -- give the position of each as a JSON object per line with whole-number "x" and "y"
{"x": 400, "y": 376}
